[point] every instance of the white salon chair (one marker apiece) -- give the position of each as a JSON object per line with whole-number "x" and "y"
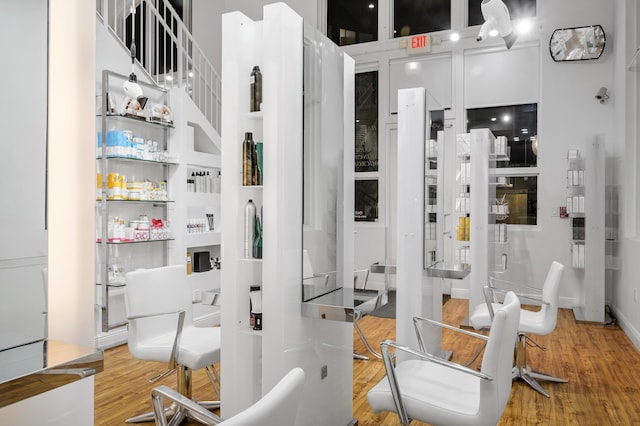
{"x": 541, "y": 322}
{"x": 278, "y": 407}
{"x": 159, "y": 310}
{"x": 430, "y": 389}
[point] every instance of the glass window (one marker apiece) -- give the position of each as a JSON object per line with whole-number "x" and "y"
{"x": 366, "y": 138}
{"x": 517, "y": 9}
{"x": 353, "y": 21}
{"x": 420, "y": 16}
{"x": 521, "y": 195}
{"x": 519, "y": 123}
{"x": 366, "y": 200}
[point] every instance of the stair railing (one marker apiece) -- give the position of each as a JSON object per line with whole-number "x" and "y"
{"x": 166, "y": 49}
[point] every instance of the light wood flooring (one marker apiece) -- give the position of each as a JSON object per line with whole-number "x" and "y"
{"x": 600, "y": 362}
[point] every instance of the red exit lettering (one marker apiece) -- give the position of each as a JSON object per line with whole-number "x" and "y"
{"x": 419, "y": 41}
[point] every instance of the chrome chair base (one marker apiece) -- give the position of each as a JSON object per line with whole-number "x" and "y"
{"x": 522, "y": 371}
{"x": 171, "y": 411}
{"x": 184, "y": 388}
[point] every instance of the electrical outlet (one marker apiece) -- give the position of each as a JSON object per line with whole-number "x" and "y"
{"x": 323, "y": 372}
{"x": 197, "y": 296}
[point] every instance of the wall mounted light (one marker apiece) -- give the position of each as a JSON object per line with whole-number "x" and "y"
{"x": 602, "y": 95}
{"x": 496, "y": 18}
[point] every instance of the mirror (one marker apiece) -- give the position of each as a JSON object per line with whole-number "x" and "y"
{"x": 23, "y": 120}
{"x": 577, "y": 44}
{"x": 433, "y": 182}
{"x": 323, "y": 152}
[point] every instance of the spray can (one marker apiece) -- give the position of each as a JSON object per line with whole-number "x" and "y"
{"x": 249, "y": 228}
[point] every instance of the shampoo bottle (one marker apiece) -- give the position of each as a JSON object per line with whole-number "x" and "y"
{"x": 256, "y": 89}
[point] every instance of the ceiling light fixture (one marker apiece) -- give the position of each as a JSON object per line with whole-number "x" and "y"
{"x": 371, "y": 5}
{"x": 496, "y": 17}
{"x": 454, "y": 37}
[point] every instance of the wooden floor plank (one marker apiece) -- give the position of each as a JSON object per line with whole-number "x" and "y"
{"x": 600, "y": 362}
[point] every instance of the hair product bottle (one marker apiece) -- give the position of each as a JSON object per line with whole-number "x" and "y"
{"x": 249, "y": 228}
{"x": 256, "y": 89}
{"x": 247, "y": 159}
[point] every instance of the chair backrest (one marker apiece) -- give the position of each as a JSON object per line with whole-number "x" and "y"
{"x": 498, "y": 360}
{"x": 278, "y": 407}
{"x": 551, "y": 295}
{"x": 153, "y": 291}
{"x": 360, "y": 278}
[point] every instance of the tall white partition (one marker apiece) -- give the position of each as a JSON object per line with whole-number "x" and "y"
{"x": 417, "y": 292}
{"x": 409, "y": 266}
{"x": 254, "y": 360}
{"x": 591, "y": 308}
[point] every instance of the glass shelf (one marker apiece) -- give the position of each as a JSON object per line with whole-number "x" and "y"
{"x": 139, "y": 119}
{"x": 251, "y": 186}
{"x": 250, "y": 259}
{"x": 255, "y": 115}
{"x": 138, "y": 201}
{"x": 135, "y": 242}
{"x": 138, "y": 160}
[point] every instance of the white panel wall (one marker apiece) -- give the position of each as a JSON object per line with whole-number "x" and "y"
{"x": 71, "y": 194}
{"x": 431, "y": 72}
{"x": 498, "y": 76}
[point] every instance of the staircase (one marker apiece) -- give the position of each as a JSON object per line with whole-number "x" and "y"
{"x": 166, "y": 50}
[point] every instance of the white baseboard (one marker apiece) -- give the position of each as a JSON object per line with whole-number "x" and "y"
{"x": 463, "y": 293}
{"x": 627, "y": 327}
{"x": 118, "y": 336}
{"x": 112, "y": 338}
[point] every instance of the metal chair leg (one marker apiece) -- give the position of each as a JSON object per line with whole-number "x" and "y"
{"x": 184, "y": 388}
{"x": 523, "y": 371}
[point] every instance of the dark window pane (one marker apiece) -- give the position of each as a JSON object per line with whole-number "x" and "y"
{"x": 420, "y": 16}
{"x": 352, "y": 21}
{"x": 522, "y": 197}
{"x": 366, "y": 138}
{"x": 517, "y": 9}
{"x": 366, "y": 200}
{"x": 519, "y": 123}
{"x": 437, "y": 123}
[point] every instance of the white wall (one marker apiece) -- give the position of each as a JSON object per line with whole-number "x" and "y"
{"x": 71, "y": 199}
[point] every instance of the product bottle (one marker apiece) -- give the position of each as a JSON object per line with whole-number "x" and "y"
{"x": 257, "y": 241}
{"x": 256, "y": 89}
{"x": 218, "y": 182}
{"x": 249, "y": 228}
{"x": 254, "y": 164}
{"x": 247, "y": 159}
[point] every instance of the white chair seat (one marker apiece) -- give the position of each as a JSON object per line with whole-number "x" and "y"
{"x": 431, "y": 391}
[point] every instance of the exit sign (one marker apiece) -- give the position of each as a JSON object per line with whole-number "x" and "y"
{"x": 419, "y": 44}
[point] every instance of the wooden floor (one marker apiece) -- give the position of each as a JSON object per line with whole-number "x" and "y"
{"x": 600, "y": 362}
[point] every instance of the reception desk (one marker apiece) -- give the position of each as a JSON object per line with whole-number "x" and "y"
{"x": 42, "y": 366}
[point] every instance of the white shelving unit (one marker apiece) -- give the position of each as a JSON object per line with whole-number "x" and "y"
{"x": 486, "y": 256}
{"x": 253, "y": 361}
{"x": 588, "y": 231}
{"x": 134, "y": 180}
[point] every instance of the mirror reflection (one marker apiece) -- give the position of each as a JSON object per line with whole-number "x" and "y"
{"x": 433, "y": 181}
{"x": 323, "y": 146}
{"x": 577, "y": 44}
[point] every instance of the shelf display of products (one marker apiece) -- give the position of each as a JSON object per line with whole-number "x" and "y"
{"x": 133, "y": 169}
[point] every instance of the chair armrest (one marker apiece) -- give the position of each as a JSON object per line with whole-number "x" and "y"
{"x": 173, "y": 360}
{"x": 389, "y": 366}
{"x": 416, "y": 320}
{"x": 490, "y": 291}
{"x": 160, "y": 393}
